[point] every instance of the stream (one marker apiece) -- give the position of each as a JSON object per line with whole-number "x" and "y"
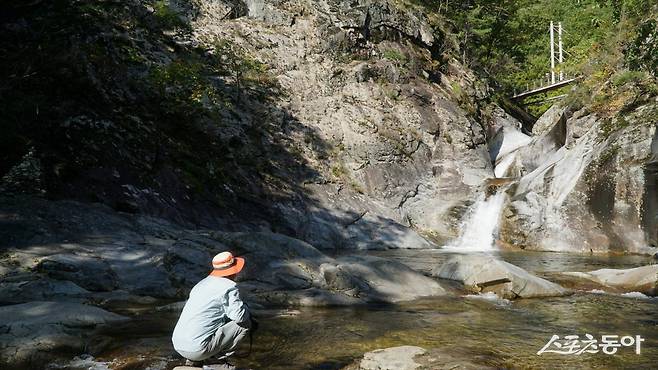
{"x": 485, "y": 329}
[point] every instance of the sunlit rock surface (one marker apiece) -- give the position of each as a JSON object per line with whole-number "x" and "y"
{"x": 640, "y": 279}
{"x": 585, "y": 189}
{"x": 482, "y": 273}
{"x": 413, "y": 357}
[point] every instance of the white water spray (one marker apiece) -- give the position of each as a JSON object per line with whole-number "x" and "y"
{"x": 481, "y": 225}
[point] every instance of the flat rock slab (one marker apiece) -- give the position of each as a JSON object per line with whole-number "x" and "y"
{"x": 57, "y": 313}
{"x": 285, "y": 271}
{"x": 417, "y": 358}
{"x": 640, "y": 279}
{"x": 388, "y": 280}
{"x": 394, "y": 358}
{"x": 30, "y": 330}
{"x": 481, "y": 273}
{"x": 209, "y": 367}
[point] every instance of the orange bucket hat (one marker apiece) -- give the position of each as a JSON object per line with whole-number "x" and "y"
{"x": 224, "y": 264}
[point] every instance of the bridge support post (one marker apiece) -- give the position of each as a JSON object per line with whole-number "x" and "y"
{"x": 552, "y": 54}
{"x": 559, "y": 46}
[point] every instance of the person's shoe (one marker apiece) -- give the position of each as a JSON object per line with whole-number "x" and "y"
{"x": 193, "y": 363}
{"x": 224, "y": 366}
{"x": 220, "y": 363}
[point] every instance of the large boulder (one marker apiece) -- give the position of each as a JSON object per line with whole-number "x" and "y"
{"x": 30, "y": 332}
{"x": 548, "y": 120}
{"x": 481, "y": 273}
{"x": 382, "y": 279}
{"x": 640, "y": 279}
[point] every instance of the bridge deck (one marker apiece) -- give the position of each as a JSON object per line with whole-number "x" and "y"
{"x": 544, "y": 89}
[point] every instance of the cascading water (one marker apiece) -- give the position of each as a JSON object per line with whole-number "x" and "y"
{"x": 481, "y": 225}
{"x": 480, "y": 228}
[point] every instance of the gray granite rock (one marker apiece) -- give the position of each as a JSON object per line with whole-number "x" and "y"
{"x": 413, "y": 357}
{"x": 288, "y": 271}
{"x": 483, "y": 273}
{"x": 394, "y": 358}
{"x": 29, "y": 331}
{"x": 587, "y": 185}
{"x": 640, "y": 279}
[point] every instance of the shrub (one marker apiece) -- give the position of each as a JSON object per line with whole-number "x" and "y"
{"x": 169, "y": 18}
{"x": 395, "y": 56}
{"x": 642, "y": 52}
{"x": 626, "y": 77}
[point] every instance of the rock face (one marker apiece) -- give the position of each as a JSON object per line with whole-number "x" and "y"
{"x": 358, "y": 129}
{"x": 504, "y": 142}
{"x": 481, "y": 273}
{"x": 585, "y": 184}
{"x": 640, "y": 279}
{"x": 405, "y": 150}
{"x": 29, "y": 331}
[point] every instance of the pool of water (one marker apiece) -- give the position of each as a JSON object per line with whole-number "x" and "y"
{"x": 492, "y": 332}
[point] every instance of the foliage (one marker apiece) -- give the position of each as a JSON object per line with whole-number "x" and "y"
{"x": 612, "y": 44}
{"x": 642, "y": 51}
{"x": 517, "y": 52}
{"x": 394, "y": 55}
{"x": 97, "y": 84}
{"x": 167, "y": 17}
{"x": 625, "y": 77}
{"x": 508, "y": 40}
{"x": 184, "y": 87}
{"x": 231, "y": 60}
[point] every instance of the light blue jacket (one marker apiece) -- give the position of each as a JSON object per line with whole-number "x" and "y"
{"x": 213, "y": 302}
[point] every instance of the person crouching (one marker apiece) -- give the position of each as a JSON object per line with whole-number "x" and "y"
{"x": 214, "y": 319}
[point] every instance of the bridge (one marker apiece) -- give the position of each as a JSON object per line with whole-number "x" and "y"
{"x": 543, "y": 89}
{"x": 556, "y": 78}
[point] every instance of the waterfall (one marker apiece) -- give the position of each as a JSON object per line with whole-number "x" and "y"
{"x": 481, "y": 224}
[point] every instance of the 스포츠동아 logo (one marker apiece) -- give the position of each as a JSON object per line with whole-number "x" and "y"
{"x": 574, "y": 345}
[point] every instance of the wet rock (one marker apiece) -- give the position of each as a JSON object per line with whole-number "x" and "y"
{"x": 121, "y": 298}
{"x": 394, "y": 358}
{"x": 172, "y": 307}
{"x": 30, "y": 331}
{"x": 504, "y": 146}
{"x": 481, "y": 273}
{"x": 640, "y": 279}
{"x": 412, "y": 357}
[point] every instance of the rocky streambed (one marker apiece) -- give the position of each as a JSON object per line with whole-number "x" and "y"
{"x": 86, "y": 287}
{"x": 464, "y": 329}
